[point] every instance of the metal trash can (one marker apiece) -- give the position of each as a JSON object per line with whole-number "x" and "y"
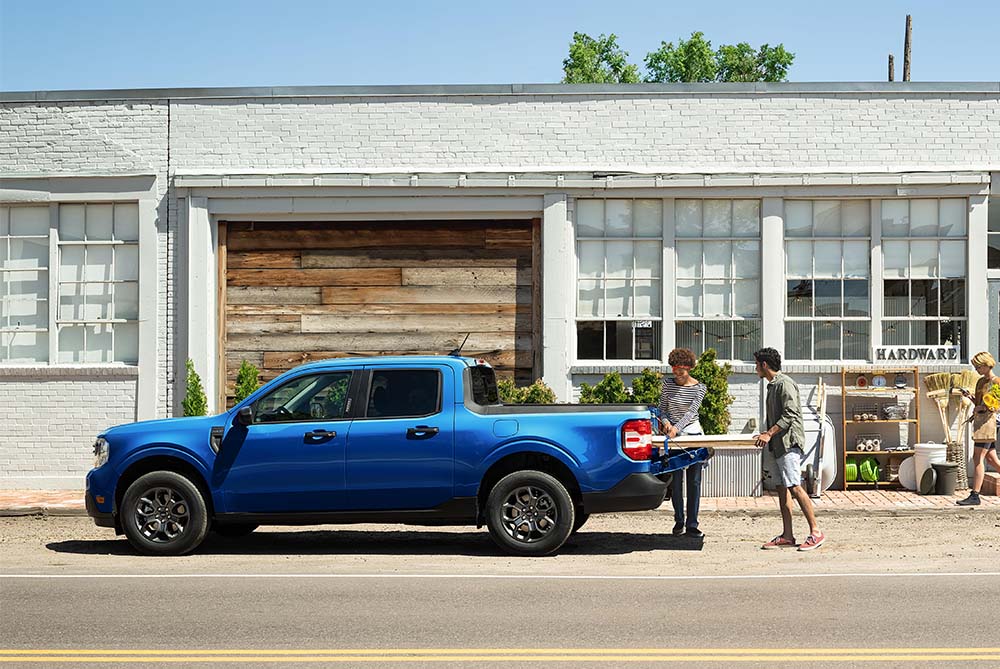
{"x": 947, "y": 478}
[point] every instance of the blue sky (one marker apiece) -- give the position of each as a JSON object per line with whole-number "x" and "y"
{"x": 46, "y": 45}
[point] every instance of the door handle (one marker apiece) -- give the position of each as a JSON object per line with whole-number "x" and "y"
{"x": 319, "y": 436}
{"x": 421, "y": 432}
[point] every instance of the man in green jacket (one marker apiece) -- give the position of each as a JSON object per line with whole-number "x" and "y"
{"x": 784, "y": 436}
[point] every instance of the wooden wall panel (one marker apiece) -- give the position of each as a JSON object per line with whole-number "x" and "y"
{"x": 297, "y": 292}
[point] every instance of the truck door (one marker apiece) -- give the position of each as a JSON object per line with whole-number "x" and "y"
{"x": 400, "y": 453}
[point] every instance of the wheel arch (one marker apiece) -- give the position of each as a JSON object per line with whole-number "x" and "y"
{"x": 154, "y": 462}
{"x": 526, "y": 460}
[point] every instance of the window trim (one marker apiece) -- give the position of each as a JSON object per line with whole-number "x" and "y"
{"x": 365, "y": 388}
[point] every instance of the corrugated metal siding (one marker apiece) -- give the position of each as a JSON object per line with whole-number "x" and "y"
{"x": 733, "y": 472}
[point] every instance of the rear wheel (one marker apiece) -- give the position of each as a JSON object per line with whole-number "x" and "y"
{"x": 164, "y": 513}
{"x": 529, "y": 513}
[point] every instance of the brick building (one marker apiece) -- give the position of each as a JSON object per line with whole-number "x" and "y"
{"x": 571, "y": 230}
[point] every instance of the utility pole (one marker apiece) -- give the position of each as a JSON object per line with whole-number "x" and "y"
{"x": 906, "y": 48}
{"x": 892, "y": 68}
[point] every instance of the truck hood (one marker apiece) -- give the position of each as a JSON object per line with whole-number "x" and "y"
{"x": 166, "y": 425}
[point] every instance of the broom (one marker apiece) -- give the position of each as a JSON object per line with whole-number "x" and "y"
{"x": 938, "y": 389}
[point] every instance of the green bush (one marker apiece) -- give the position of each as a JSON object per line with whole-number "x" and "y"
{"x": 195, "y": 403}
{"x": 247, "y": 381}
{"x": 714, "y": 414}
{"x": 646, "y": 387}
{"x": 536, "y": 393}
{"x": 610, "y": 390}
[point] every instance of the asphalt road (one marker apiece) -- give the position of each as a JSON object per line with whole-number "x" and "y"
{"x": 620, "y": 593}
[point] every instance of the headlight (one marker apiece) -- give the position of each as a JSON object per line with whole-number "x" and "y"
{"x": 100, "y": 452}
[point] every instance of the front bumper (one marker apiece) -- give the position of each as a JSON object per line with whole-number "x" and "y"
{"x": 101, "y": 518}
{"x": 97, "y": 481}
{"x": 635, "y": 492}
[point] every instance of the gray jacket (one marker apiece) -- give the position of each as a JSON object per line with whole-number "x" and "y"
{"x": 784, "y": 410}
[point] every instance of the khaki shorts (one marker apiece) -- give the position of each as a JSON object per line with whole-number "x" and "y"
{"x": 787, "y": 468}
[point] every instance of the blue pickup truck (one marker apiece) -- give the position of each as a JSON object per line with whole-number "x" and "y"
{"x": 417, "y": 440}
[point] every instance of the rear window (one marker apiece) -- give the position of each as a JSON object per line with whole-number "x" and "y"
{"x": 484, "y": 385}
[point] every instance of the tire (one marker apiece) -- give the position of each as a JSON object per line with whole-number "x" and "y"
{"x": 529, "y": 493}
{"x": 164, "y": 513}
{"x": 233, "y": 530}
{"x": 580, "y": 520}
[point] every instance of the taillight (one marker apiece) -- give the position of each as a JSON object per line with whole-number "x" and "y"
{"x": 637, "y": 439}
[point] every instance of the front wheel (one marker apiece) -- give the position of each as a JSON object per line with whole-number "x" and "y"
{"x": 529, "y": 513}
{"x": 164, "y": 513}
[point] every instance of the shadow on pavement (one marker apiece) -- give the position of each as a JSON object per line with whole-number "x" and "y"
{"x": 392, "y": 542}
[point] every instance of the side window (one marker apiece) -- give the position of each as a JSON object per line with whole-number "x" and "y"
{"x": 399, "y": 393}
{"x": 313, "y": 397}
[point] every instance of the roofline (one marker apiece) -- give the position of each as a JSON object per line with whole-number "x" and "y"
{"x": 514, "y": 90}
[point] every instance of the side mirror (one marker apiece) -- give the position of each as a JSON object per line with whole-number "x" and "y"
{"x": 244, "y": 416}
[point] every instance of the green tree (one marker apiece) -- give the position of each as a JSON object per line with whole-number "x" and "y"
{"x": 740, "y": 62}
{"x": 692, "y": 60}
{"x": 610, "y": 390}
{"x": 598, "y": 61}
{"x": 247, "y": 381}
{"x": 536, "y": 393}
{"x": 195, "y": 403}
{"x": 646, "y": 387}
{"x": 714, "y": 413}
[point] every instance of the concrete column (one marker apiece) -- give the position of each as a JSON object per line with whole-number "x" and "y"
{"x": 668, "y": 337}
{"x": 559, "y": 296}
{"x": 977, "y": 287}
{"x": 772, "y": 273}
{"x": 200, "y": 244}
{"x": 876, "y": 289}
{"x": 149, "y": 325}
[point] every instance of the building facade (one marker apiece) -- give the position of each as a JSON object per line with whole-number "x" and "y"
{"x": 568, "y": 230}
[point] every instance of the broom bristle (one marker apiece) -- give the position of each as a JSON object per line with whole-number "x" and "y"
{"x": 938, "y": 382}
{"x": 966, "y": 379}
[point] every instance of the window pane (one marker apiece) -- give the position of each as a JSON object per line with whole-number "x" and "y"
{"x": 718, "y": 218}
{"x": 71, "y": 217}
{"x": 98, "y": 263}
{"x": 895, "y": 218}
{"x": 798, "y": 218}
{"x": 688, "y": 218}
{"x": 410, "y": 392}
{"x": 993, "y": 252}
{"x": 800, "y": 298}
{"x": 71, "y": 263}
{"x": 590, "y": 298}
{"x": 897, "y": 298}
{"x": 719, "y": 335}
{"x": 620, "y": 259}
{"x": 896, "y": 259}
{"x": 127, "y": 300}
{"x": 923, "y": 218}
{"x": 98, "y": 302}
{"x": 29, "y": 221}
{"x": 718, "y": 298}
{"x": 924, "y": 298}
{"x": 747, "y": 301}
{"x": 71, "y": 343}
{"x": 953, "y": 297}
{"x": 127, "y": 222}
{"x": 590, "y": 218}
{"x": 855, "y": 218}
{"x": 25, "y": 314}
{"x": 799, "y": 259}
{"x": 923, "y": 259}
{"x": 618, "y": 340}
{"x": 27, "y": 254}
{"x": 688, "y": 259}
{"x": 687, "y": 334}
{"x": 746, "y": 218}
{"x": 993, "y": 213}
{"x": 126, "y": 263}
{"x": 26, "y": 347}
{"x": 827, "y": 340}
{"x": 953, "y": 259}
{"x": 648, "y": 218}
{"x": 324, "y": 397}
{"x": 954, "y": 214}
{"x": 923, "y": 333}
{"x": 71, "y": 302}
{"x": 647, "y": 342}
{"x": 895, "y": 333}
{"x": 619, "y": 298}
{"x": 647, "y": 298}
{"x": 827, "y": 297}
{"x": 127, "y": 343}
{"x": 856, "y": 259}
{"x": 99, "y": 344}
{"x": 746, "y": 257}
{"x": 746, "y": 339}
{"x": 826, "y": 218}
{"x": 953, "y": 333}
{"x": 33, "y": 285}
{"x": 828, "y": 259}
{"x": 4, "y": 230}
{"x": 589, "y": 340}
{"x": 718, "y": 259}
{"x": 99, "y": 222}
{"x": 857, "y": 340}
{"x": 648, "y": 257}
{"x": 856, "y": 298}
{"x": 591, "y": 259}
{"x": 798, "y": 340}
{"x": 618, "y": 218}
{"x": 688, "y": 298}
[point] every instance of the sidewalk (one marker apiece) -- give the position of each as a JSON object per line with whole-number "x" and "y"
{"x": 880, "y": 502}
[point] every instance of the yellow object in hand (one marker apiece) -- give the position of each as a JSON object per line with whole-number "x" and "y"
{"x": 992, "y": 398}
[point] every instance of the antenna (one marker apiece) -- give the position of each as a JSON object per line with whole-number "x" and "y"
{"x": 458, "y": 351}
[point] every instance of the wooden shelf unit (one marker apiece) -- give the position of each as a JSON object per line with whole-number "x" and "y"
{"x": 848, "y": 375}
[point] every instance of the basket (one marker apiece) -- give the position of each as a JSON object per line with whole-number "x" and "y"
{"x": 895, "y": 411}
{"x": 864, "y": 412}
{"x": 868, "y": 442}
{"x": 955, "y": 452}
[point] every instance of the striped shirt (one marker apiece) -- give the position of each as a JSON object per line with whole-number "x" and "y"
{"x": 680, "y": 404}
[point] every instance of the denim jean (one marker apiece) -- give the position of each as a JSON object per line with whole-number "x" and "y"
{"x": 693, "y": 475}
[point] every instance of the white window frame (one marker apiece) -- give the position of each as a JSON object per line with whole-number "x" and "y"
{"x": 5, "y": 241}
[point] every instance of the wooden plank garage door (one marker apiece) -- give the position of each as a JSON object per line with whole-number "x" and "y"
{"x": 297, "y": 292}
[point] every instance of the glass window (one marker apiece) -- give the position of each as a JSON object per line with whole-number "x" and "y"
{"x": 924, "y": 296}
{"x": 828, "y": 273}
{"x": 618, "y": 278}
{"x": 400, "y": 393}
{"x": 24, "y": 285}
{"x": 717, "y": 292}
{"x": 993, "y": 234}
{"x": 315, "y": 397}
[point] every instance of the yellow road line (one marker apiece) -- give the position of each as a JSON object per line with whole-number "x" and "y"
{"x": 488, "y": 651}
